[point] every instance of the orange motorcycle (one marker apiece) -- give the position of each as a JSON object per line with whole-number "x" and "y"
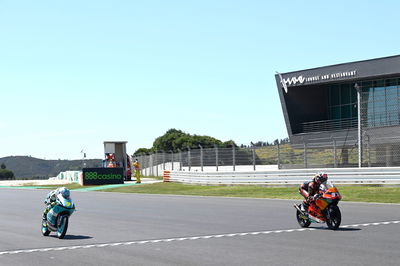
{"x": 323, "y": 209}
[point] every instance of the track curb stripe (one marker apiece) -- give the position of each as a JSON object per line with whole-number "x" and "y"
{"x": 127, "y": 243}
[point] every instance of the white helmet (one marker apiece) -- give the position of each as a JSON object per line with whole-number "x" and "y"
{"x": 64, "y": 192}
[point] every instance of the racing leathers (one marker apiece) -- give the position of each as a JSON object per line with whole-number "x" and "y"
{"x": 50, "y": 200}
{"x": 310, "y": 191}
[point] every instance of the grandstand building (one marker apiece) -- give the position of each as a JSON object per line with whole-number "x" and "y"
{"x": 320, "y": 107}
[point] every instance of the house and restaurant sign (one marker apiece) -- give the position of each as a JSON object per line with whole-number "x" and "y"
{"x": 303, "y": 80}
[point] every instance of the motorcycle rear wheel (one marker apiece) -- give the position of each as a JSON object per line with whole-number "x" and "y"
{"x": 62, "y": 227}
{"x": 45, "y": 230}
{"x": 302, "y": 222}
{"x": 334, "y": 217}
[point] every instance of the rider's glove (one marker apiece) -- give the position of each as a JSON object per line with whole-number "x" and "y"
{"x": 316, "y": 196}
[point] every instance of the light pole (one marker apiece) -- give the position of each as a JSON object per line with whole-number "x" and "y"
{"x": 253, "y": 151}
{"x": 358, "y": 88}
{"x": 201, "y": 157}
{"x": 189, "y": 159}
{"x": 172, "y": 160}
{"x": 83, "y": 153}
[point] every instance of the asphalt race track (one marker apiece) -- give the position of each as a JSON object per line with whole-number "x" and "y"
{"x": 137, "y": 229}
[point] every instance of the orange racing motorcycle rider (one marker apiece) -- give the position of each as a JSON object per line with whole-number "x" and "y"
{"x": 310, "y": 189}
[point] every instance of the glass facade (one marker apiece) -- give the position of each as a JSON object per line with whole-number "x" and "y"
{"x": 380, "y": 102}
{"x": 342, "y": 105}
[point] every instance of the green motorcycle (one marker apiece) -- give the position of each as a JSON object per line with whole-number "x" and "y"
{"x": 57, "y": 218}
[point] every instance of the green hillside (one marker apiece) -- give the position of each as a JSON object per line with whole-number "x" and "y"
{"x": 25, "y": 167}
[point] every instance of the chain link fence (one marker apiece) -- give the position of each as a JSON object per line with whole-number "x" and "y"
{"x": 336, "y": 154}
{"x": 379, "y": 138}
{"x": 376, "y": 153}
{"x": 275, "y": 157}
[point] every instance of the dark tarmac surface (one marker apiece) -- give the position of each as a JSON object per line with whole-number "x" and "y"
{"x": 139, "y": 229}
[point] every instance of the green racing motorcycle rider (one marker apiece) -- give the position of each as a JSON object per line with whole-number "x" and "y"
{"x": 50, "y": 200}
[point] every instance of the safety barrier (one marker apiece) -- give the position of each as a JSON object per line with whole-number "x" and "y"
{"x": 166, "y": 175}
{"x": 389, "y": 175}
{"x": 72, "y": 176}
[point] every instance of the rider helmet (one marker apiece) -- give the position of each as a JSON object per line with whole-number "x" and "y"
{"x": 321, "y": 178}
{"x": 64, "y": 192}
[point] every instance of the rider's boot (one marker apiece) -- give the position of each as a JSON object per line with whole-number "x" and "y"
{"x": 45, "y": 213}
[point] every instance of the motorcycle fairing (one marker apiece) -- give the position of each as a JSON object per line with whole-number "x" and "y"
{"x": 321, "y": 203}
{"x": 63, "y": 205}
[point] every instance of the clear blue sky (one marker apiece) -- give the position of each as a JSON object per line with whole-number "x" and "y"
{"x": 76, "y": 73}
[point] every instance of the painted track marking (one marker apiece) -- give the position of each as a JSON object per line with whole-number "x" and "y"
{"x": 127, "y": 243}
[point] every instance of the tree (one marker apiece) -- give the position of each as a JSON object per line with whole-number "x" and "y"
{"x": 167, "y": 141}
{"x": 285, "y": 141}
{"x": 175, "y": 139}
{"x": 141, "y": 151}
{"x": 228, "y": 144}
{"x": 6, "y": 174}
{"x": 260, "y": 144}
{"x": 3, "y": 166}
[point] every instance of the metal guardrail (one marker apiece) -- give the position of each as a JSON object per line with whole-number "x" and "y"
{"x": 329, "y": 125}
{"x": 385, "y": 175}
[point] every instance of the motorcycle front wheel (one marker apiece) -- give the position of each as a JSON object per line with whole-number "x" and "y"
{"x": 303, "y": 221}
{"x": 62, "y": 226}
{"x": 45, "y": 230}
{"x": 334, "y": 217}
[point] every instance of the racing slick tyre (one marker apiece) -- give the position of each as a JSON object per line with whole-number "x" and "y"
{"x": 62, "y": 226}
{"x": 45, "y": 230}
{"x": 334, "y": 217}
{"x": 302, "y": 220}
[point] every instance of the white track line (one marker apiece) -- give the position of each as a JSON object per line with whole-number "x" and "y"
{"x": 180, "y": 239}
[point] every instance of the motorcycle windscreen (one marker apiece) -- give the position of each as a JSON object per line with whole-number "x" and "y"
{"x": 66, "y": 203}
{"x": 326, "y": 186}
{"x": 329, "y": 191}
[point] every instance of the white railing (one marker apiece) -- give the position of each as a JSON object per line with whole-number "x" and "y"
{"x": 390, "y": 175}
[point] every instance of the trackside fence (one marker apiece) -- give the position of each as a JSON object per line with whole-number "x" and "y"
{"x": 385, "y": 175}
{"x": 333, "y": 154}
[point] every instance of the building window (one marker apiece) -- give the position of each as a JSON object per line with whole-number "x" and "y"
{"x": 342, "y": 107}
{"x": 380, "y": 103}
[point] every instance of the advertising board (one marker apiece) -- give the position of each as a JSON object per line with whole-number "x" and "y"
{"x": 102, "y": 176}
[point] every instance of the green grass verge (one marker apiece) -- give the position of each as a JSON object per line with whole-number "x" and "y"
{"x": 383, "y": 194}
{"x": 362, "y": 193}
{"x": 350, "y": 193}
{"x": 153, "y": 177}
{"x": 198, "y": 190}
{"x": 69, "y": 186}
